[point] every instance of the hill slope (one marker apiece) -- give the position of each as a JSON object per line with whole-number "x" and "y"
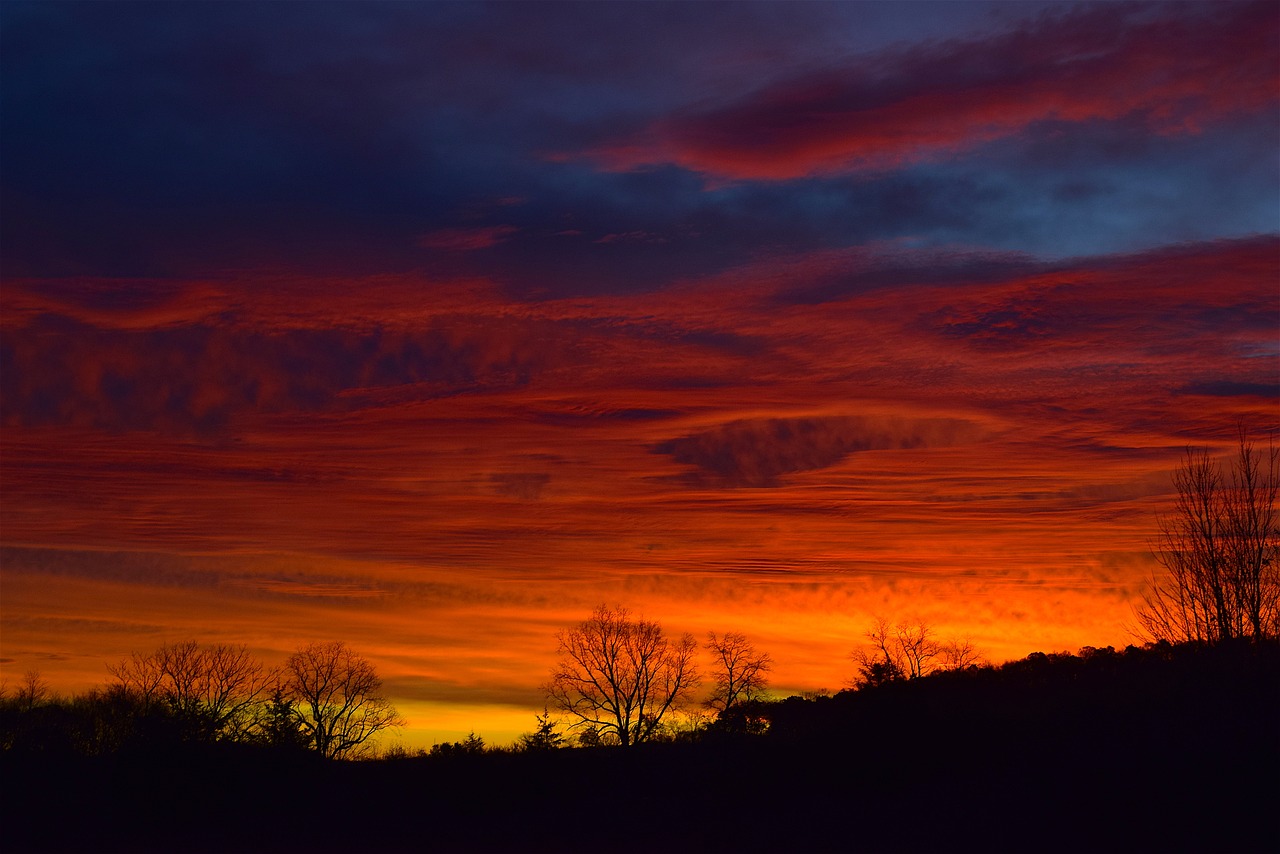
{"x": 1156, "y": 749}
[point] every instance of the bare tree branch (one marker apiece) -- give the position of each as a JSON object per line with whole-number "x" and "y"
{"x": 338, "y": 699}
{"x": 622, "y": 676}
{"x": 908, "y": 650}
{"x": 1218, "y": 549}
{"x": 218, "y": 691}
{"x": 740, "y": 672}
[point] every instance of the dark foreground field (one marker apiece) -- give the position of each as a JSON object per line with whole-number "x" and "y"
{"x": 1150, "y": 750}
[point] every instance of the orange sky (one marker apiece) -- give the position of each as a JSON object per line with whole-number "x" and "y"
{"x": 421, "y": 333}
{"x": 722, "y": 457}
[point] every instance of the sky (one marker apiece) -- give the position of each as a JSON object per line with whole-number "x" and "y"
{"x": 428, "y": 327}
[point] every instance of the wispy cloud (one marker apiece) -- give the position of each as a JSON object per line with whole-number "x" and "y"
{"x": 821, "y": 310}
{"x": 1170, "y": 73}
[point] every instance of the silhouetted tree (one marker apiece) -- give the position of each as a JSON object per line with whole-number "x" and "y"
{"x": 874, "y": 672}
{"x": 544, "y": 735}
{"x": 917, "y": 648}
{"x": 32, "y": 691}
{"x": 117, "y": 718}
{"x": 281, "y": 724}
{"x": 469, "y": 746}
{"x": 1219, "y": 551}
{"x": 589, "y": 736}
{"x": 217, "y": 691}
{"x": 740, "y": 673}
{"x": 959, "y": 653}
{"x": 17, "y": 711}
{"x": 902, "y": 651}
{"x": 621, "y": 675}
{"x": 909, "y": 650}
{"x": 337, "y": 697}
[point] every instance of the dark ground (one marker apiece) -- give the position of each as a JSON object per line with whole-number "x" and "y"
{"x": 1155, "y": 750}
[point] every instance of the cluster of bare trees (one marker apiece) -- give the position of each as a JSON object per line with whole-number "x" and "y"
{"x": 217, "y": 689}
{"x": 1220, "y": 551}
{"x": 908, "y": 650}
{"x": 619, "y": 677}
{"x": 30, "y": 692}
{"x": 325, "y": 697}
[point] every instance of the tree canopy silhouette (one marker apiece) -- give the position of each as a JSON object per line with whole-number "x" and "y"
{"x": 621, "y": 675}
{"x": 908, "y": 650}
{"x": 739, "y": 673}
{"x": 216, "y": 691}
{"x": 338, "y": 698}
{"x": 543, "y": 737}
{"x": 1218, "y": 549}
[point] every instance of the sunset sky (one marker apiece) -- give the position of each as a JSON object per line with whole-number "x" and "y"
{"x": 429, "y": 327}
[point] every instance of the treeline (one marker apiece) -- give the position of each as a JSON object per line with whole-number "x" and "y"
{"x": 1156, "y": 748}
{"x": 1083, "y": 694}
{"x": 620, "y": 681}
{"x": 325, "y": 698}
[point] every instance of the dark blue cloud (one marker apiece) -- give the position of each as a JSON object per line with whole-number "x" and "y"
{"x": 175, "y": 139}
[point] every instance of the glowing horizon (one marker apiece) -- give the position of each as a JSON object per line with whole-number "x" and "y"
{"x": 899, "y": 320}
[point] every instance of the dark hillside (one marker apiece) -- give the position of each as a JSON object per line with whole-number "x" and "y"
{"x": 1157, "y": 749}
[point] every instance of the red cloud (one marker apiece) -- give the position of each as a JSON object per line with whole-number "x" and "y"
{"x": 1174, "y": 74}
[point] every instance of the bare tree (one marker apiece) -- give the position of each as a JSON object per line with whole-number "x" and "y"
{"x": 620, "y": 675}
{"x": 917, "y": 648}
{"x": 740, "y": 672}
{"x": 959, "y": 653}
{"x": 217, "y": 689}
{"x": 141, "y": 675}
{"x": 898, "y": 651}
{"x": 32, "y": 691}
{"x": 235, "y": 687}
{"x": 1218, "y": 549}
{"x": 880, "y": 663}
{"x": 338, "y": 698}
{"x": 909, "y": 650}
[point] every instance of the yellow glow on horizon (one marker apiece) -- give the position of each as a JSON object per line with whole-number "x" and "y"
{"x": 716, "y": 456}
{"x": 431, "y": 723}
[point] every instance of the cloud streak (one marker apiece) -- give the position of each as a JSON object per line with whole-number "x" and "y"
{"x": 1171, "y": 74}
{"x": 430, "y": 327}
{"x": 756, "y": 453}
